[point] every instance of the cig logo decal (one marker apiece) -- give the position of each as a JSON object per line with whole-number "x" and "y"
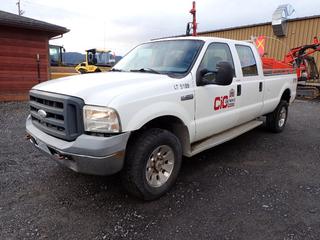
{"x": 223, "y": 102}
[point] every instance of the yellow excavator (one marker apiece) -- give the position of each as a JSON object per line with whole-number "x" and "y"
{"x": 97, "y": 60}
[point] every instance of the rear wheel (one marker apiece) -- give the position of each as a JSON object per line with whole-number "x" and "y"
{"x": 277, "y": 120}
{"x": 152, "y": 164}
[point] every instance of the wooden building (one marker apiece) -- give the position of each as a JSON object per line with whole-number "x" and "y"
{"x": 300, "y": 31}
{"x": 24, "y": 54}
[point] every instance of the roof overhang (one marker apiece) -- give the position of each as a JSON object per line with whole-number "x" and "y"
{"x": 16, "y": 21}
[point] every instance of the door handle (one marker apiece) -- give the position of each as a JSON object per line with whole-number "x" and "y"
{"x": 187, "y": 97}
{"x": 239, "y": 90}
{"x": 260, "y": 86}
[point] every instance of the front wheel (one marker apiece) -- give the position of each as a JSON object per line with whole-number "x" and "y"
{"x": 152, "y": 164}
{"x": 277, "y": 120}
{"x": 82, "y": 71}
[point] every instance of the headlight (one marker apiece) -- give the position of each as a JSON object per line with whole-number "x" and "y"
{"x": 100, "y": 119}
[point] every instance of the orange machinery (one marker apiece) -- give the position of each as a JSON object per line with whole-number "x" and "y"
{"x": 298, "y": 58}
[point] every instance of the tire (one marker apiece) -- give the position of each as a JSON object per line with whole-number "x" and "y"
{"x": 82, "y": 71}
{"x": 147, "y": 177}
{"x": 276, "y": 121}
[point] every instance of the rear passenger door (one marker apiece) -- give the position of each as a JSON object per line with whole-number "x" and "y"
{"x": 250, "y": 86}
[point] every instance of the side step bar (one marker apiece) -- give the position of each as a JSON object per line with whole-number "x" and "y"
{"x": 223, "y": 137}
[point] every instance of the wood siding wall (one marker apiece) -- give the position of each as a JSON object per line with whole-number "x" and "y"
{"x": 18, "y": 62}
{"x": 299, "y": 32}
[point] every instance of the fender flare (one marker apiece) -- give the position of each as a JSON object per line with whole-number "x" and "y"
{"x": 156, "y": 110}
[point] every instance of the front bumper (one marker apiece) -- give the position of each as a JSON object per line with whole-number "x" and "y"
{"x": 87, "y": 154}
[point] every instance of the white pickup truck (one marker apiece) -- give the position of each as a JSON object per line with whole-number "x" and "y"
{"x": 165, "y": 99}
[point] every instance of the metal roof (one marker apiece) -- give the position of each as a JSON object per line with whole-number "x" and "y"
{"x": 258, "y": 24}
{"x": 12, "y": 20}
{"x": 243, "y": 26}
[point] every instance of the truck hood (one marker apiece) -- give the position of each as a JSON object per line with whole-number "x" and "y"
{"x": 101, "y": 88}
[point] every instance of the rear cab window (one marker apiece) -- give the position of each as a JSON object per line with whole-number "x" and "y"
{"x": 247, "y": 60}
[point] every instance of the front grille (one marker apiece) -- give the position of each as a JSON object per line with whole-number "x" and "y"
{"x": 63, "y": 114}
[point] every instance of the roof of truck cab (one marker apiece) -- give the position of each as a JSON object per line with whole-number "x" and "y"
{"x": 206, "y": 39}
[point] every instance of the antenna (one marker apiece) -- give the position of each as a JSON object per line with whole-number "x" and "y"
{"x": 20, "y": 12}
{"x": 194, "y": 21}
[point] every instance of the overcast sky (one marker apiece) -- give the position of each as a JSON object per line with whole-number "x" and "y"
{"x": 119, "y": 25}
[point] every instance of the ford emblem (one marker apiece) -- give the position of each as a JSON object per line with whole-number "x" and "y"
{"x": 42, "y": 113}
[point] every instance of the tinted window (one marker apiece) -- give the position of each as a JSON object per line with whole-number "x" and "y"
{"x": 247, "y": 60}
{"x": 216, "y": 53}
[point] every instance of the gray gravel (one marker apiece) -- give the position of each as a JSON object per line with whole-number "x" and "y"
{"x": 257, "y": 186}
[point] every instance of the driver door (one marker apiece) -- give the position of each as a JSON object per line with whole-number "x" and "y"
{"x": 215, "y": 104}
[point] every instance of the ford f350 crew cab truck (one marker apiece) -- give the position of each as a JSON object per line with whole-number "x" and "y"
{"x": 165, "y": 99}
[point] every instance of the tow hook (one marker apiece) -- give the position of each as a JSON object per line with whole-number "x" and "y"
{"x": 62, "y": 157}
{"x": 27, "y": 137}
{"x": 58, "y": 156}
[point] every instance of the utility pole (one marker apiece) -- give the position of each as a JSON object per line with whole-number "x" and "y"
{"x": 20, "y": 12}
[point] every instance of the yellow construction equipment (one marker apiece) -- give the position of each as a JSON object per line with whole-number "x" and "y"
{"x": 96, "y": 61}
{"x": 58, "y": 68}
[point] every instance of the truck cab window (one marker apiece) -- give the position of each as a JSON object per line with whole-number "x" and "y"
{"x": 216, "y": 53}
{"x": 247, "y": 60}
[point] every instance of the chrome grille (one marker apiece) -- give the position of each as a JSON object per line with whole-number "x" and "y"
{"x": 63, "y": 114}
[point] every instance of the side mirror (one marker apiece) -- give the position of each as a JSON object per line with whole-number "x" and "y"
{"x": 203, "y": 77}
{"x": 225, "y": 73}
{"x": 223, "y": 76}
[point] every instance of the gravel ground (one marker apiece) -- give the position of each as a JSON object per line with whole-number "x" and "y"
{"x": 257, "y": 186}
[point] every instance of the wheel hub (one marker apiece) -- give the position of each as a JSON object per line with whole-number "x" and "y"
{"x": 159, "y": 166}
{"x": 283, "y": 116}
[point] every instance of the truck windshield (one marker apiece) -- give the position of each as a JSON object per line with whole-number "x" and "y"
{"x": 164, "y": 57}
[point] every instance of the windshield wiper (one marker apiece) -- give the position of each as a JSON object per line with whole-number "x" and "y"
{"x": 148, "y": 70}
{"x": 116, "y": 70}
